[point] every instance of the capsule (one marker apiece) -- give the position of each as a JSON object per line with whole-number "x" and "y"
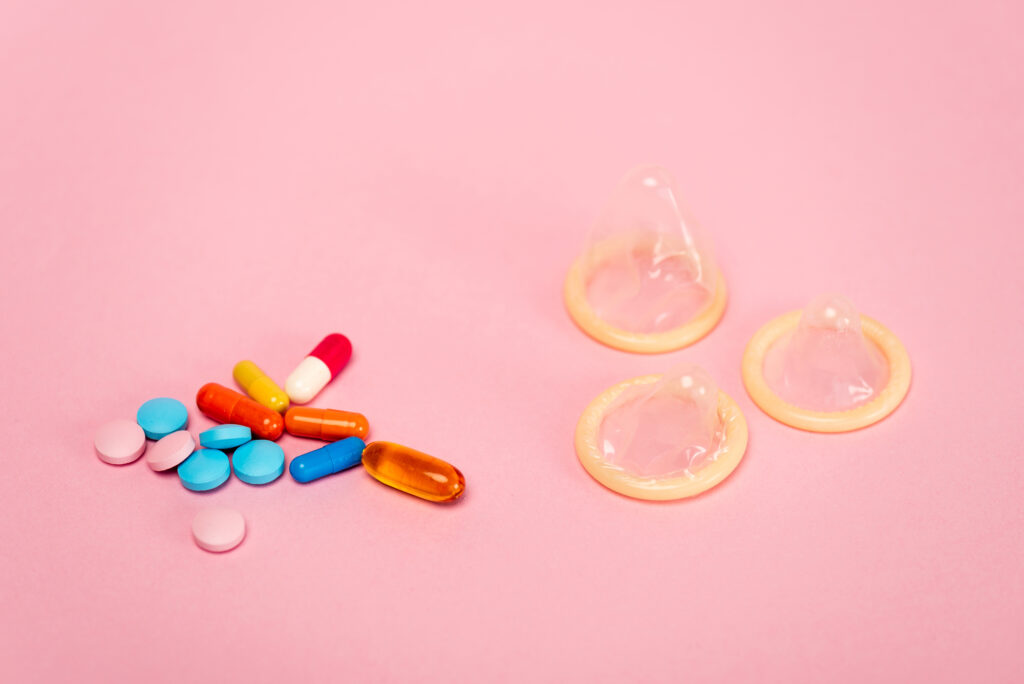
{"x": 327, "y": 424}
{"x": 319, "y": 368}
{"x": 413, "y": 472}
{"x": 228, "y": 406}
{"x": 327, "y": 460}
{"x": 259, "y": 386}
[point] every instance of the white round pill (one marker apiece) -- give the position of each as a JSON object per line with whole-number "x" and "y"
{"x": 218, "y": 529}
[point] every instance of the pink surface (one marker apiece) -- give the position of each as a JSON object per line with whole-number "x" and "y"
{"x": 183, "y": 186}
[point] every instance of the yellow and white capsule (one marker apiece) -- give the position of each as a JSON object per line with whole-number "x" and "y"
{"x": 259, "y": 386}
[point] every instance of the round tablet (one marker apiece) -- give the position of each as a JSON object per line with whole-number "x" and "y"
{"x": 120, "y": 441}
{"x": 218, "y": 529}
{"x": 226, "y": 436}
{"x": 160, "y": 417}
{"x": 204, "y": 470}
{"x": 171, "y": 450}
{"x": 258, "y": 462}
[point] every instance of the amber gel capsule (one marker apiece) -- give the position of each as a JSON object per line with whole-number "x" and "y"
{"x": 329, "y": 425}
{"x": 413, "y": 472}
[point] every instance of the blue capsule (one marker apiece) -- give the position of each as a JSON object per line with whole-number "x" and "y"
{"x": 327, "y": 460}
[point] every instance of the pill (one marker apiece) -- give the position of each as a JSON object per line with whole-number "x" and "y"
{"x": 171, "y": 450}
{"x": 327, "y": 460}
{"x": 319, "y": 368}
{"x": 120, "y": 441}
{"x": 160, "y": 417}
{"x": 205, "y": 469}
{"x": 259, "y": 386}
{"x": 326, "y": 424}
{"x": 413, "y": 472}
{"x": 228, "y": 406}
{"x": 258, "y": 462}
{"x": 225, "y": 436}
{"x": 218, "y": 529}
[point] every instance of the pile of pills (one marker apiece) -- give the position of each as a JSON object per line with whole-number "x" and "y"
{"x": 251, "y": 424}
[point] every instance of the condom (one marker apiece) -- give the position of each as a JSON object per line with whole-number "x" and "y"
{"x": 647, "y": 280}
{"x": 827, "y": 368}
{"x": 662, "y": 437}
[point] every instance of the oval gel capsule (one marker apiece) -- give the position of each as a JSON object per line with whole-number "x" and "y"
{"x": 259, "y": 386}
{"x": 413, "y": 472}
{"x": 327, "y": 424}
{"x": 327, "y": 460}
{"x": 319, "y": 368}
{"x": 228, "y": 406}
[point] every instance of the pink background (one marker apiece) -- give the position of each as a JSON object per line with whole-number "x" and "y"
{"x": 186, "y": 186}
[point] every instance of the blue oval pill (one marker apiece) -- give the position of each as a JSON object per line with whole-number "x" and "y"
{"x": 160, "y": 417}
{"x": 258, "y": 462}
{"x": 326, "y": 460}
{"x": 204, "y": 470}
{"x": 226, "y": 436}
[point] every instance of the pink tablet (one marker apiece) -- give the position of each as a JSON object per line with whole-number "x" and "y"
{"x": 218, "y": 529}
{"x": 171, "y": 450}
{"x": 120, "y": 441}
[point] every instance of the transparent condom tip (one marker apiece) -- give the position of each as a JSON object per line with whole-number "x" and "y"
{"x": 664, "y": 429}
{"x": 826, "y": 364}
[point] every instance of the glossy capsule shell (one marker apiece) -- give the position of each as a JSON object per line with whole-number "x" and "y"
{"x": 327, "y": 424}
{"x": 327, "y": 460}
{"x": 228, "y": 406}
{"x": 259, "y": 386}
{"x": 413, "y": 472}
{"x": 319, "y": 368}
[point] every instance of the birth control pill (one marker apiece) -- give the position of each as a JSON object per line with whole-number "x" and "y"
{"x": 120, "y": 441}
{"x": 204, "y": 470}
{"x": 171, "y": 450}
{"x": 225, "y": 436}
{"x": 258, "y": 462}
{"x": 218, "y": 529}
{"x": 160, "y": 417}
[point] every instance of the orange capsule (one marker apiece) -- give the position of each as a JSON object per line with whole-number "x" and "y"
{"x": 413, "y": 472}
{"x": 329, "y": 425}
{"x": 228, "y": 406}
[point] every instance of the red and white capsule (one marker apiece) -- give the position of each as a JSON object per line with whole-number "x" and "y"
{"x": 319, "y": 368}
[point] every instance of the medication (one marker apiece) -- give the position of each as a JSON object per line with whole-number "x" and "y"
{"x": 204, "y": 470}
{"x": 225, "y": 436}
{"x": 120, "y": 441}
{"x": 228, "y": 406}
{"x": 170, "y": 451}
{"x": 218, "y": 529}
{"x": 327, "y": 460}
{"x": 413, "y": 472}
{"x": 319, "y": 368}
{"x": 326, "y": 424}
{"x": 160, "y": 417}
{"x": 259, "y": 386}
{"x": 258, "y": 462}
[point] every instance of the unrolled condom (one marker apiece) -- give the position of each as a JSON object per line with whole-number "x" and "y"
{"x": 666, "y": 436}
{"x": 647, "y": 280}
{"x": 826, "y": 368}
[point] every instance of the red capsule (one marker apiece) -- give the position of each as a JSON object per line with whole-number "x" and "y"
{"x": 228, "y": 406}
